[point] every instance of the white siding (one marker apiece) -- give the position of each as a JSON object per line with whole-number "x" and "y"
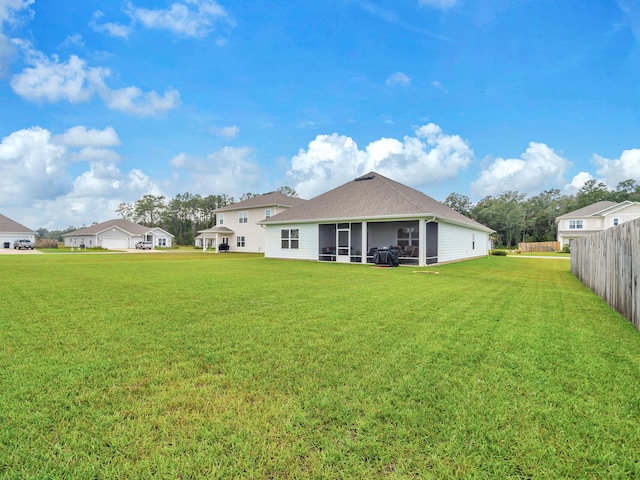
{"x": 254, "y": 235}
{"x": 623, "y": 215}
{"x": 457, "y": 243}
{"x": 308, "y": 242}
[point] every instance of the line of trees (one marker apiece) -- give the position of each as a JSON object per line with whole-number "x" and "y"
{"x": 516, "y": 218}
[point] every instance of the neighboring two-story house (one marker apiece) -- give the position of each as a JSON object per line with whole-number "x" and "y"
{"x": 236, "y": 224}
{"x": 594, "y": 218}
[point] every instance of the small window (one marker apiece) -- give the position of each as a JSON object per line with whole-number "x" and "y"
{"x": 290, "y": 238}
{"x": 162, "y": 242}
{"x": 240, "y": 241}
{"x": 575, "y": 224}
{"x": 267, "y": 213}
{"x": 243, "y": 217}
{"x": 615, "y": 222}
{"x": 221, "y": 219}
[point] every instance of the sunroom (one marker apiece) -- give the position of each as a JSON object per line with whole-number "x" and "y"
{"x": 357, "y": 242}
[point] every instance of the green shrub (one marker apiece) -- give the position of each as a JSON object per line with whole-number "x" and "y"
{"x": 566, "y": 248}
{"x": 500, "y": 253}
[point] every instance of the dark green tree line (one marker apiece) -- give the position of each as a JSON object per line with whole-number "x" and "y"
{"x": 516, "y": 218}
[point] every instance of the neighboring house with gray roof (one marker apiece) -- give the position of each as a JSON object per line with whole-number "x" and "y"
{"x": 348, "y": 223}
{"x": 10, "y": 231}
{"x": 117, "y": 234}
{"x": 237, "y": 224}
{"x": 594, "y": 218}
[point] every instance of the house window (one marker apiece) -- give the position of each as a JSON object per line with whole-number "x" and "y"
{"x": 240, "y": 241}
{"x": 221, "y": 219}
{"x": 243, "y": 217}
{"x": 615, "y": 222}
{"x": 575, "y": 224}
{"x": 162, "y": 242}
{"x": 267, "y": 213}
{"x": 290, "y": 238}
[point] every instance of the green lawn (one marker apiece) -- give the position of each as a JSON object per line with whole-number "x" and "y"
{"x": 192, "y": 365}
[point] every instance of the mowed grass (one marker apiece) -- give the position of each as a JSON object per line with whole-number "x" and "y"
{"x": 192, "y": 365}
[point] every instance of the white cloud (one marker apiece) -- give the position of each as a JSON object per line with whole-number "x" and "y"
{"x": 79, "y": 136}
{"x": 31, "y": 166}
{"x": 578, "y": 182}
{"x": 438, "y": 85}
{"x": 37, "y": 183}
{"x": 190, "y": 18}
{"x": 398, "y": 79}
{"x": 538, "y": 169}
{"x": 227, "y": 132}
{"x": 231, "y": 170}
{"x": 135, "y": 101}
{"x": 424, "y": 159}
{"x": 615, "y": 171}
{"x": 10, "y": 11}
{"x": 72, "y": 81}
{"x": 109, "y": 28}
{"x": 439, "y": 4}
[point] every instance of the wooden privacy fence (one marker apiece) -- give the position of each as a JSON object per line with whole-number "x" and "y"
{"x": 539, "y": 247}
{"x": 609, "y": 264}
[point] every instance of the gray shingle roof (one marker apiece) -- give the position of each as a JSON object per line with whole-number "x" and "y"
{"x": 126, "y": 225}
{"x": 8, "y": 225}
{"x": 264, "y": 200}
{"x": 368, "y": 197}
{"x": 589, "y": 209}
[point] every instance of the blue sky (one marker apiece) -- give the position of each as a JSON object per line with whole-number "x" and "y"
{"x": 105, "y": 101}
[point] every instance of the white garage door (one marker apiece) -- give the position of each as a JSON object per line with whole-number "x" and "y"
{"x": 115, "y": 243}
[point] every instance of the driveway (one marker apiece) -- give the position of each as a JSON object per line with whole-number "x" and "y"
{"x": 13, "y": 251}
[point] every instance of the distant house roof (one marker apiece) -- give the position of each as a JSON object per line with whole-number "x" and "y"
{"x": 8, "y": 225}
{"x": 217, "y": 229}
{"x": 371, "y": 196}
{"x": 265, "y": 200}
{"x": 124, "y": 225}
{"x": 595, "y": 209}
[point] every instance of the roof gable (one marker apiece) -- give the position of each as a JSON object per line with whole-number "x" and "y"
{"x": 9, "y": 225}
{"x": 265, "y": 200}
{"x": 371, "y": 196}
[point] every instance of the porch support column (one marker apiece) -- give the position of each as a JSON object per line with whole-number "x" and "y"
{"x": 365, "y": 247}
{"x": 204, "y": 242}
{"x": 422, "y": 246}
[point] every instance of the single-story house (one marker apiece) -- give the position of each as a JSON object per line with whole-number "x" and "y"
{"x": 236, "y": 224}
{"x": 10, "y": 231}
{"x": 351, "y": 222}
{"x": 594, "y": 218}
{"x": 117, "y": 234}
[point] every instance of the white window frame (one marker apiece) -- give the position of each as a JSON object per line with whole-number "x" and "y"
{"x": 240, "y": 241}
{"x": 267, "y": 213}
{"x": 162, "y": 242}
{"x": 290, "y": 238}
{"x": 616, "y": 221}
{"x": 243, "y": 217}
{"x": 221, "y": 219}
{"x": 575, "y": 224}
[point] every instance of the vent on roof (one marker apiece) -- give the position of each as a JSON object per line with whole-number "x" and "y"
{"x": 364, "y": 177}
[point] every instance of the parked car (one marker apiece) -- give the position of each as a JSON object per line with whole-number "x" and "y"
{"x": 144, "y": 245}
{"x": 26, "y": 244}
